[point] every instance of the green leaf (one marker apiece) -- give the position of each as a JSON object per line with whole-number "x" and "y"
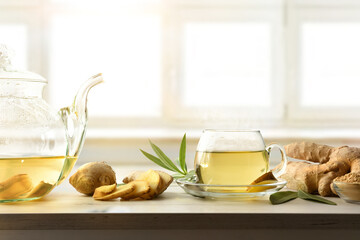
{"x": 182, "y": 154}
{"x": 177, "y": 175}
{"x": 190, "y": 174}
{"x": 164, "y": 159}
{"x": 282, "y": 197}
{"x": 177, "y": 162}
{"x": 156, "y": 160}
{"x": 308, "y": 196}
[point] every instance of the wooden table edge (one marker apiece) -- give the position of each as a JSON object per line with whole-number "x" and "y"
{"x": 157, "y": 221}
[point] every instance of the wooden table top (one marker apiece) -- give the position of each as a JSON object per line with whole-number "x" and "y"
{"x": 64, "y": 208}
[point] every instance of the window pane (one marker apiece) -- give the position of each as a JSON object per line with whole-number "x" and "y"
{"x": 15, "y": 37}
{"x": 126, "y": 49}
{"x": 330, "y": 60}
{"x": 227, "y": 64}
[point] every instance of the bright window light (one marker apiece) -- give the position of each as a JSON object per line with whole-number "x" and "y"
{"x": 227, "y": 64}
{"x": 126, "y": 49}
{"x": 330, "y": 64}
{"x": 103, "y": 3}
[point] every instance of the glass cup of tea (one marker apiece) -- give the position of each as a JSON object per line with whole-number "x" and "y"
{"x": 234, "y": 157}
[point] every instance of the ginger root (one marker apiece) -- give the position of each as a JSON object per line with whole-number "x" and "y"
{"x": 91, "y": 176}
{"x": 333, "y": 162}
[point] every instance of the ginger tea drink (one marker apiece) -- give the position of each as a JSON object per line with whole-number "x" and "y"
{"x": 233, "y": 157}
{"x": 230, "y": 168}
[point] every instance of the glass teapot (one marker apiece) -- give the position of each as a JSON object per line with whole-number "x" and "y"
{"x": 38, "y": 146}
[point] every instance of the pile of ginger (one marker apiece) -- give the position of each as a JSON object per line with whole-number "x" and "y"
{"x": 333, "y": 163}
{"x": 98, "y": 179}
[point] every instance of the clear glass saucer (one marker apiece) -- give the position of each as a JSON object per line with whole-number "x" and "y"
{"x": 191, "y": 187}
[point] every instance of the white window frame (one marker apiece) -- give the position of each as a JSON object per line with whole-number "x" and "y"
{"x": 95, "y": 122}
{"x": 224, "y": 11}
{"x": 285, "y": 16}
{"x": 300, "y": 12}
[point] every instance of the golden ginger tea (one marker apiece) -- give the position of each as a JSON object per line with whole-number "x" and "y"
{"x": 32, "y": 177}
{"x": 230, "y": 168}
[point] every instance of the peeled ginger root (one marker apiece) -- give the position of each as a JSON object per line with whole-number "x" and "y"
{"x": 91, "y": 176}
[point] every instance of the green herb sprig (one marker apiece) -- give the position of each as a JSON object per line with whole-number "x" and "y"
{"x": 178, "y": 166}
{"x": 282, "y": 197}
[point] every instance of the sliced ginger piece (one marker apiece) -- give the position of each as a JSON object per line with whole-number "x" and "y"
{"x": 166, "y": 179}
{"x": 15, "y": 186}
{"x": 133, "y": 176}
{"x": 262, "y": 188}
{"x": 120, "y": 191}
{"x": 266, "y": 178}
{"x": 154, "y": 180}
{"x": 40, "y": 190}
{"x": 141, "y": 188}
{"x": 104, "y": 190}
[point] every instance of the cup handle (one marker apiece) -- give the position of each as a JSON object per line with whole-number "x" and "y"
{"x": 278, "y": 171}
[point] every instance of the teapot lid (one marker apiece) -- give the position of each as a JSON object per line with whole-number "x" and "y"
{"x": 7, "y": 71}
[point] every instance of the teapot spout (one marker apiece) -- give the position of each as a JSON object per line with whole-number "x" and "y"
{"x": 80, "y": 101}
{"x": 75, "y": 116}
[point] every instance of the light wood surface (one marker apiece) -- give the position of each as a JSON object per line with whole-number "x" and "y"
{"x": 174, "y": 200}
{"x": 65, "y": 208}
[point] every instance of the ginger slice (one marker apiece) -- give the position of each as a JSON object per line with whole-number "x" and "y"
{"x": 264, "y": 177}
{"x": 141, "y": 188}
{"x": 104, "y": 190}
{"x": 120, "y": 191}
{"x": 166, "y": 179}
{"x": 40, "y": 190}
{"x": 261, "y": 189}
{"x": 133, "y": 176}
{"x": 15, "y": 186}
{"x": 154, "y": 181}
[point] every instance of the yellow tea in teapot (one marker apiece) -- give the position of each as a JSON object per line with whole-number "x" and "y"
{"x": 32, "y": 177}
{"x": 230, "y": 168}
